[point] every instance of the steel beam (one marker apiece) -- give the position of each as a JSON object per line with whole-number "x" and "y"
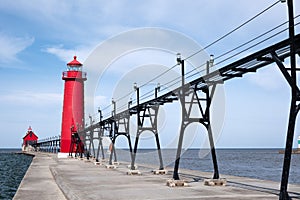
{"x": 293, "y": 108}
{"x": 188, "y": 98}
{"x": 151, "y": 113}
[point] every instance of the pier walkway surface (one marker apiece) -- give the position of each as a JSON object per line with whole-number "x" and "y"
{"x": 51, "y": 178}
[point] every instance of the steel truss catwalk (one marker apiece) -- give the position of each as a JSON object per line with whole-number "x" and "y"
{"x": 199, "y": 92}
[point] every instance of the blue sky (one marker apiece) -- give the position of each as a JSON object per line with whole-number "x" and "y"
{"x": 39, "y": 37}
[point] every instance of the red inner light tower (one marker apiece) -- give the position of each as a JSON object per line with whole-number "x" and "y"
{"x": 73, "y": 105}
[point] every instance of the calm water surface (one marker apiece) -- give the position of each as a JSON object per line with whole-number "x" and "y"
{"x": 263, "y": 164}
{"x": 12, "y": 170}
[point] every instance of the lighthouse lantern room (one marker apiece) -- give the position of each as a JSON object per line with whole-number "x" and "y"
{"x": 73, "y": 104}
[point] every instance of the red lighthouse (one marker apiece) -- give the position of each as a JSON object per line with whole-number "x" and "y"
{"x": 29, "y": 139}
{"x": 73, "y": 105}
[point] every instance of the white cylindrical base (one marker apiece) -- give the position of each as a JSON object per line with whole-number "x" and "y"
{"x": 62, "y": 155}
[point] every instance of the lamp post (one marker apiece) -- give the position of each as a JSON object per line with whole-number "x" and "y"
{"x": 137, "y": 89}
{"x": 100, "y": 114}
{"x": 157, "y": 89}
{"x": 129, "y": 103}
{"x": 114, "y": 107}
{"x": 182, "y": 101}
{"x": 209, "y": 63}
{"x": 181, "y": 62}
{"x": 91, "y": 119}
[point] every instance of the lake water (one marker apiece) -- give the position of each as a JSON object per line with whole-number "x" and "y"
{"x": 263, "y": 164}
{"x": 12, "y": 170}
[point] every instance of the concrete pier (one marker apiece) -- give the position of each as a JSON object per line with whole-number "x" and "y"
{"x": 38, "y": 182}
{"x": 69, "y": 178}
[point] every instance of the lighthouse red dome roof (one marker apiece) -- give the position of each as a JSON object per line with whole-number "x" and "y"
{"x": 74, "y": 62}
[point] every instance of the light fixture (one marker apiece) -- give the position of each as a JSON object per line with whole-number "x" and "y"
{"x": 178, "y": 58}
{"x": 135, "y": 86}
{"x": 211, "y": 60}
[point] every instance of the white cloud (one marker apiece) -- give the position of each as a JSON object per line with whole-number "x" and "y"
{"x": 42, "y": 10}
{"x": 66, "y": 54}
{"x": 31, "y": 98}
{"x": 270, "y": 77}
{"x": 203, "y": 21}
{"x": 86, "y": 23}
{"x": 92, "y": 103}
{"x": 11, "y": 46}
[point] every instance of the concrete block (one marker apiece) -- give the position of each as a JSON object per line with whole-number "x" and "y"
{"x": 116, "y": 163}
{"x": 160, "y": 171}
{"x": 176, "y": 183}
{"x": 97, "y": 163}
{"x": 134, "y": 172}
{"x": 129, "y": 166}
{"x": 215, "y": 182}
{"x": 111, "y": 166}
{"x": 62, "y": 155}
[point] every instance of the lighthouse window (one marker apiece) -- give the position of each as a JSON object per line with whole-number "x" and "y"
{"x": 74, "y": 68}
{"x": 71, "y": 68}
